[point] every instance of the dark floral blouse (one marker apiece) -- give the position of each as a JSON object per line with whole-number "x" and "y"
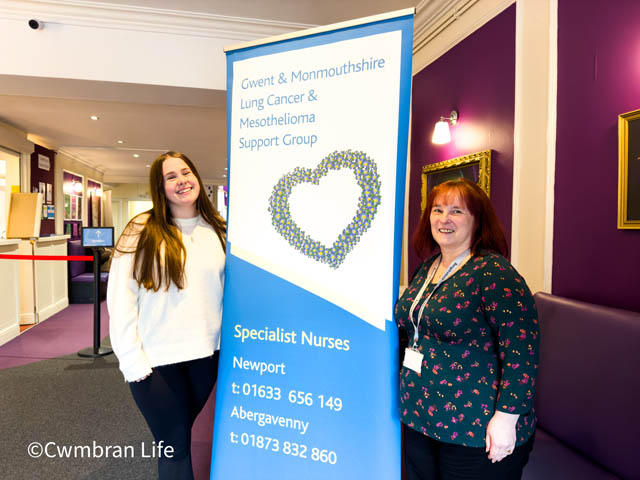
{"x": 479, "y": 336}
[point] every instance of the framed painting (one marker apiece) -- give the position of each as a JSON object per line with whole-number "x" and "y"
{"x": 629, "y": 170}
{"x": 475, "y": 167}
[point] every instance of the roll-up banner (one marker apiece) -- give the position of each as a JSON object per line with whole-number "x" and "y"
{"x": 317, "y": 135}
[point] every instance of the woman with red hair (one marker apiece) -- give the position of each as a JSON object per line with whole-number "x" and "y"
{"x": 470, "y": 326}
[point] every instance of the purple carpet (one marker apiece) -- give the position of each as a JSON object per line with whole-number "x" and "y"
{"x": 66, "y": 332}
{"x": 70, "y": 331}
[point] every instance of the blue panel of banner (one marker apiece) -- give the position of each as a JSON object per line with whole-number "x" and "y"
{"x": 317, "y": 135}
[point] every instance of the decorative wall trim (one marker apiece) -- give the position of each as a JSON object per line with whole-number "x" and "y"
{"x": 517, "y": 140}
{"x": 29, "y": 318}
{"x": 552, "y": 112}
{"x": 50, "y": 310}
{"x": 125, "y": 17}
{"x": 83, "y": 161}
{"x": 14, "y": 139}
{"x": 442, "y": 24}
{"x": 37, "y": 140}
{"x": 433, "y": 16}
{"x": 111, "y": 179}
{"x": 9, "y": 333}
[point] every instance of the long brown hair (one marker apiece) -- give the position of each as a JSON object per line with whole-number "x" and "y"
{"x": 154, "y": 237}
{"x": 487, "y": 231}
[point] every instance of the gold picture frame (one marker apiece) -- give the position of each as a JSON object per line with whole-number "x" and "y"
{"x": 629, "y": 170}
{"x": 475, "y": 166}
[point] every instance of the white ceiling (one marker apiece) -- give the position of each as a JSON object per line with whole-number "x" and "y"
{"x": 152, "y": 119}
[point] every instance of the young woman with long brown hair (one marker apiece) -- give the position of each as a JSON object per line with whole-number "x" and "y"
{"x": 165, "y": 307}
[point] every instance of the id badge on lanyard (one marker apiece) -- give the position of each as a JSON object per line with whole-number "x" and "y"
{"x": 412, "y": 357}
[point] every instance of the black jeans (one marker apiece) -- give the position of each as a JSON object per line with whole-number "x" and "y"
{"x": 429, "y": 459}
{"x": 170, "y": 400}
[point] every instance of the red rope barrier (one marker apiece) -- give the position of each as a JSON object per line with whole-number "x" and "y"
{"x": 73, "y": 258}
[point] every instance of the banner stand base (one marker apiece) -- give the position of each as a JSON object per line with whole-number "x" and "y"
{"x": 94, "y": 353}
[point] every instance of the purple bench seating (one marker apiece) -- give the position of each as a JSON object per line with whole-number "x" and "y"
{"x": 587, "y": 394}
{"x": 81, "y": 276}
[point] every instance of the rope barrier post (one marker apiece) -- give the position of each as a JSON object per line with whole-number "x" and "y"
{"x": 96, "y": 351}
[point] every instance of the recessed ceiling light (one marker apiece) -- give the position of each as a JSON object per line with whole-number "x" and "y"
{"x": 224, "y": 176}
{"x": 148, "y": 166}
{"x": 120, "y": 142}
{"x": 94, "y": 117}
{"x": 226, "y": 168}
{"x": 135, "y": 155}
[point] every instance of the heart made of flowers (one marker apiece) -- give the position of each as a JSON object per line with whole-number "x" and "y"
{"x": 366, "y": 173}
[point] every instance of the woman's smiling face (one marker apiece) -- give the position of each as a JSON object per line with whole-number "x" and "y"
{"x": 452, "y": 223}
{"x": 181, "y": 187}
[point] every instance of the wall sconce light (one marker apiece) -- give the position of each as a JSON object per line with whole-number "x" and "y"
{"x": 77, "y": 187}
{"x": 441, "y": 132}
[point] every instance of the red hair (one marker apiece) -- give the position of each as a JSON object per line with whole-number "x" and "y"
{"x": 487, "y": 231}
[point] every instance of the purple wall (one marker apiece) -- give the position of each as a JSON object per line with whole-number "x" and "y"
{"x": 598, "y": 79}
{"x": 47, "y": 226}
{"x": 477, "y": 78}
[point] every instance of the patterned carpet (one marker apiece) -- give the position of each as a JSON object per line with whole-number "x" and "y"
{"x": 65, "y": 401}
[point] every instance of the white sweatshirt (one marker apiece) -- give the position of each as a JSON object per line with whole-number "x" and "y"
{"x": 148, "y": 328}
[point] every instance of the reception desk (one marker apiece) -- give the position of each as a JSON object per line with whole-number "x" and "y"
{"x": 43, "y": 283}
{"x": 9, "y": 313}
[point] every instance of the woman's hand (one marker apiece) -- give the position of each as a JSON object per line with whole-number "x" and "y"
{"x": 501, "y": 435}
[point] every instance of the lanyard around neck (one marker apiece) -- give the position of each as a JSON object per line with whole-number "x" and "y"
{"x": 446, "y": 275}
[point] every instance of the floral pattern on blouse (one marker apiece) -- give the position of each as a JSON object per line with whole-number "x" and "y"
{"x": 479, "y": 336}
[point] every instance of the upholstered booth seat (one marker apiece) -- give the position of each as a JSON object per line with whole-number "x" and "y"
{"x": 81, "y": 276}
{"x": 87, "y": 277}
{"x": 587, "y": 393}
{"x": 551, "y": 459}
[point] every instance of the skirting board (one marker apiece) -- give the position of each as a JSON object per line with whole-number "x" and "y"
{"x": 48, "y": 311}
{"x": 9, "y": 333}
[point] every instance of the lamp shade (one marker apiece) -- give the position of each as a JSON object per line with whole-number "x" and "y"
{"x": 441, "y": 133}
